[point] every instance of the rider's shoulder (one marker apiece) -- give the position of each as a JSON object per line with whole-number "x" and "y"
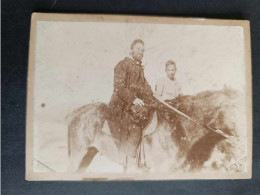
{"x": 126, "y": 62}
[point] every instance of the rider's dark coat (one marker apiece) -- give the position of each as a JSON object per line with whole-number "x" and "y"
{"x": 129, "y": 84}
{"x": 126, "y": 120}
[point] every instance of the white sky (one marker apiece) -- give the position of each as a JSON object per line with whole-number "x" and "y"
{"x": 75, "y": 60}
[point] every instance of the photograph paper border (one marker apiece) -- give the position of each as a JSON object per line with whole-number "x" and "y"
{"x": 31, "y": 175}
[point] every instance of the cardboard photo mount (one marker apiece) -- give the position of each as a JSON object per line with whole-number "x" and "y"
{"x": 36, "y": 17}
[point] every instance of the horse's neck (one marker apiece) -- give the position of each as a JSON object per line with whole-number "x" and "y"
{"x": 200, "y": 108}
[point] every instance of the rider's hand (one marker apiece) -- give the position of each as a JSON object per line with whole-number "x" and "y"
{"x": 138, "y": 101}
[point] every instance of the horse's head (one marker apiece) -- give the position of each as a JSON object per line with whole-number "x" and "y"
{"x": 229, "y": 117}
{"x": 220, "y": 110}
{"x": 228, "y": 113}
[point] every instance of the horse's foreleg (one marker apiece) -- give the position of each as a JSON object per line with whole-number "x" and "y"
{"x": 201, "y": 150}
{"x": 87, "y": 159}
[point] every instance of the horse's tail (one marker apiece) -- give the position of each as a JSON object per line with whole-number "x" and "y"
{"x": 69, "y": 118}
{"x": 69, "y": 142}
{"x": 88, "y": 111}
{"x": 76, "y": 112}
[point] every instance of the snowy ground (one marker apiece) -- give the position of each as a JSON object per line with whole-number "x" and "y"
{"x": 51, "y": 149}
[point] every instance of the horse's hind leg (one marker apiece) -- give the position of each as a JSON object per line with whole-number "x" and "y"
{"x": 75, "y": 157}
{"x": 87, "y": 159}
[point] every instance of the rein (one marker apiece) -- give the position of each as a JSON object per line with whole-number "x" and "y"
{"x": 230, "y": 139}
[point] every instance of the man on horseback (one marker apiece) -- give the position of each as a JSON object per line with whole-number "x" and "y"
{"x": 132, "y": 103}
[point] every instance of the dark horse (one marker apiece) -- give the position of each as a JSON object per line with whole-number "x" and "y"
{"x": 175, "y": 143}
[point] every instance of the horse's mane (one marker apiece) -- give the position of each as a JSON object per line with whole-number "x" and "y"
{"x": 193, "y": 105}
{"x": 206, "y": 103}
{"x": 226, "y": 92}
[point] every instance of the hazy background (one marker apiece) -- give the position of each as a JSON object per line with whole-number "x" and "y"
{"x": 75, "y": 61}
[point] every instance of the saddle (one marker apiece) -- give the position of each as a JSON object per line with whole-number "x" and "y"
{"x": 138, "y": 114}
{"x": 147, "y": 119}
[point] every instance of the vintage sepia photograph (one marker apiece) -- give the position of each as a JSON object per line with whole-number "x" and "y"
{"x": 118, "y": 97}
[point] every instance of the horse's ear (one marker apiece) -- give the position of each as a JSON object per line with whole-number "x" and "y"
{"x": 229, "y": 91}
{"x": 227, "y": 88}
